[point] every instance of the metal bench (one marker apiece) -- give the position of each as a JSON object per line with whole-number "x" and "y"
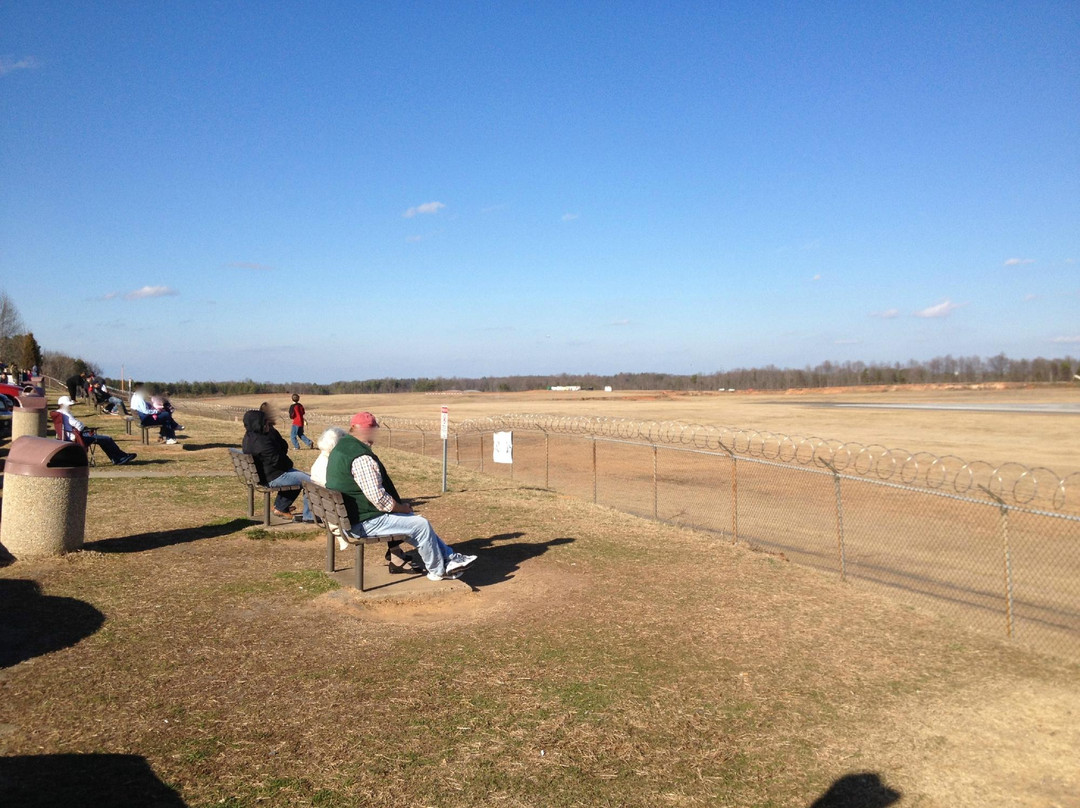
{"x": 328, "y": 507}
{"x": 248, "y": 473}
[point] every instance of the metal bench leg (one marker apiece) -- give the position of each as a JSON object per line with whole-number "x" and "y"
{"x": 331, "y": 546}
{"x": 266, "y": 509}
{"x": 251, "y": 501}
{"x": 360, "y": 566}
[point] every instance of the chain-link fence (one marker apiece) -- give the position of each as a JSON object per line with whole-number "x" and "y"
{"x": 994, "y": 547}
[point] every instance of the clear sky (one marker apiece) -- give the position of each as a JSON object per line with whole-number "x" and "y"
{"x": 339, "y": 190}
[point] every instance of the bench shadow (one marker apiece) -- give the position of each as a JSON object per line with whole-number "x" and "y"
{"x": 165, "y": 538}
{"x": 500, "y": 556}
{"x": 862, "y": 790}
{"x": 100, "y": 780}
{"x": 36, "y": 624}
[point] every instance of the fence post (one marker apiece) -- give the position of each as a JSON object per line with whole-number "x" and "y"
{"x": 547, "y": 460}
{"x": 839, "y": 518}
{"x": 655, "y": 498}
{"x": 423, "y": 443}
{"x": 481, "y": 452}
{"x": 389, "y": 437}
{"x": 457, "y": 450}
{"x": 734, "y": 493}
{"x": 1007, "y": 559}
{"x": 594, "y": 470}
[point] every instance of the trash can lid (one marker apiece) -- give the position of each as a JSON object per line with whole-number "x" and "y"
{"x": 30, "y": 456}
{"x": 31, "y": 402}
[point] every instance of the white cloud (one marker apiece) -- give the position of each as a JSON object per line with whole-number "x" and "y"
{"x": 427, "y": 207}
{"x": 151, "y": 291}
{"x": 414, "y": 239}
{"x": 816, "y": 277}
{"x": 569, "y": 217}
{"x": 1031, "y": 296}
{"x": 888, "y": 314}
{"x": 110, "y": 295}
{"x": 1066, "y": 340}
{"x": 10, "y": 65}
{"x": 1015, "y": 262}
{"x": 492, "y": 208}
{"x": 847, "y": 342}
{"x": 942, "y": 309}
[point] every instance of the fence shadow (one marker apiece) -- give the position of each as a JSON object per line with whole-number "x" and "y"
{"x": 165, "y": 538}
{"x": 500, "y": 556}
{"x": 863, "y": 790}
{"x": 99, "y": 780}
{"x": 36, "y": 624}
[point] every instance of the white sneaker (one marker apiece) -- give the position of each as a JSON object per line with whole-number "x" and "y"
{"x": 170, "y": 441}
{"x": 458, "y": 562}
{"x": 446, "y": 576}
{"x": 341, "y": 543}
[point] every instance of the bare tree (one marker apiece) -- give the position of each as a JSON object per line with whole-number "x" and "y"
{"x": 11, "y": 326}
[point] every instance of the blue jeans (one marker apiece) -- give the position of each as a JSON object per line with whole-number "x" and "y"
{"x": 161, "y": 419}
{"x": 113, "y": 451}
{"x": 298, "y": 432}
{"x": 286, "y": 498}
{"x": 433, "y": 550}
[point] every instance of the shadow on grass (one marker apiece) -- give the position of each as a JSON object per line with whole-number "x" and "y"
{"x": 195, "y": 447}
{"x": 500, "y": 556}
{"x": 864, "y": 790}
{"x": 36, "y": 624}
{"x": 103, "y": 781}
{"x": 165, "y": 538}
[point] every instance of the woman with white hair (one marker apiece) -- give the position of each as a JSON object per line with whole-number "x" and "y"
{"x": 326, "y": 443}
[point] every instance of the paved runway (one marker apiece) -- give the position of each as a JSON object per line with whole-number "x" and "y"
{"x": 1049, "y": 409}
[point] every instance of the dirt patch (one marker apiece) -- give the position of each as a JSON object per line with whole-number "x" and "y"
{"x": 540, "y": 586}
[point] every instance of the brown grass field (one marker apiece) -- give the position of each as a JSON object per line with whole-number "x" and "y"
{"x": 599, "y": 659}
{"x": 1034, "y": 439}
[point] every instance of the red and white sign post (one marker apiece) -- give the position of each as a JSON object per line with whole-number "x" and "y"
{"x": 444, "y": 431}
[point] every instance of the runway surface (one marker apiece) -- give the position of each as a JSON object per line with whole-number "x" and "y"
{"x": 1046, "y": 409}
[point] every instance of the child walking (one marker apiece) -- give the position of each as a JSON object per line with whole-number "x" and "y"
{"x": 296, "y": 415}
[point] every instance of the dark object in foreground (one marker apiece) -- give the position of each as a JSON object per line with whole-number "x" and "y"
{"x": 864, "y": 790}
{"x": 101, "y": 781}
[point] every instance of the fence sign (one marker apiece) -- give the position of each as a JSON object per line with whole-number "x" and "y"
{"x": 503, "y": 447}
{"x": 444, "y": 424}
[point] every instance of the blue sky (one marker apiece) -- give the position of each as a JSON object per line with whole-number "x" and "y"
{"x": 319, "y": 191}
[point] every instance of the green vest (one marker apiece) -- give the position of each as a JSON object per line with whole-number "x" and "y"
{"x": 339, "y": 478}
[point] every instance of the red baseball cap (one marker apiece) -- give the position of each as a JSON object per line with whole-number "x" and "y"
{"x": 364, "y": 420}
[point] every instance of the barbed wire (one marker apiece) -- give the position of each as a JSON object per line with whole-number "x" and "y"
{"x": 1013, "y": 482}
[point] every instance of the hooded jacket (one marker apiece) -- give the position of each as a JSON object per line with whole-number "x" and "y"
{"x": 266, "y": 445}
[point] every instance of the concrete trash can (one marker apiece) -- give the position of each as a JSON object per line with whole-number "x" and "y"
{"x": 29, "y": 417}
{"x": 45, "y": 486}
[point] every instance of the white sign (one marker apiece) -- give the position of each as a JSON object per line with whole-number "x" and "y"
{"x": 502, "y": 450}
{"x": 444, "y": 425}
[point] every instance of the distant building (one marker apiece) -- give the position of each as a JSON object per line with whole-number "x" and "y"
{"x": 568, "y": 388}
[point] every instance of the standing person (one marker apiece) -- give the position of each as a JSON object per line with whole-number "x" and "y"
{"x": 72, "y": 424}
{"x": 73, "y": 384}
{"x": 271, "y": 454}
{"x": 148, "y": 416}
{"x": 296, "y": 415}
{"x": 374, "y": 505}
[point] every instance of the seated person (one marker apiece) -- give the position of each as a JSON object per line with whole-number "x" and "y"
{"x": 271, "y": 454}
{"x": 149, "y": 416}
{"x": 71, "y": 424}
{"x": 374, "y": 506}
{"x": 114, "y": 405}
{"x": 326, "y": 443}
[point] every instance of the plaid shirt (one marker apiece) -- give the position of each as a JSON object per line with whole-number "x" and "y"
{"x": 366, "y": 473}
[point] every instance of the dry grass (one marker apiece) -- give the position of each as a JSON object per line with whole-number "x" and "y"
{"x": 601, "y": 660}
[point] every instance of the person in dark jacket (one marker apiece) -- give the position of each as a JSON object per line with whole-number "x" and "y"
{"x": 271, "y": 454}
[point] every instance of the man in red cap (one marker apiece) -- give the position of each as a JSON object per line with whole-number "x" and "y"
{"x": 374, "y": 506}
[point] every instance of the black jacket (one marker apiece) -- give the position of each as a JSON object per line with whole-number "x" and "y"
{"x": 266, "y": 445}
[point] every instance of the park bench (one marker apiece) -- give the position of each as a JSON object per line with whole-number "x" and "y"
{"x": 328, "y": 507}
{"x": 248, "y": 473}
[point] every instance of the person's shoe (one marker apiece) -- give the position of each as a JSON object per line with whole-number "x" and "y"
{"x": 179, "y": 426}
{"x": 283, "y": 514}
{"x": 123, "y": 461}
{"x": 446, "y": 576}
{"x": 458, "y": 562}
{"x": 170, "y": 441}
{"x": 341, "y": 543}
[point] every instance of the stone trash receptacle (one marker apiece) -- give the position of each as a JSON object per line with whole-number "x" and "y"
{"x": 45, "y": 485}
{"x": 29, "y": 417}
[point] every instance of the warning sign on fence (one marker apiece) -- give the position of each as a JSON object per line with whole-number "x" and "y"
{"x": 502, "y": 450}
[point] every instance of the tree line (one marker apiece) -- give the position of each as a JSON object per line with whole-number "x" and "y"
{"x": 942, "y": 369}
